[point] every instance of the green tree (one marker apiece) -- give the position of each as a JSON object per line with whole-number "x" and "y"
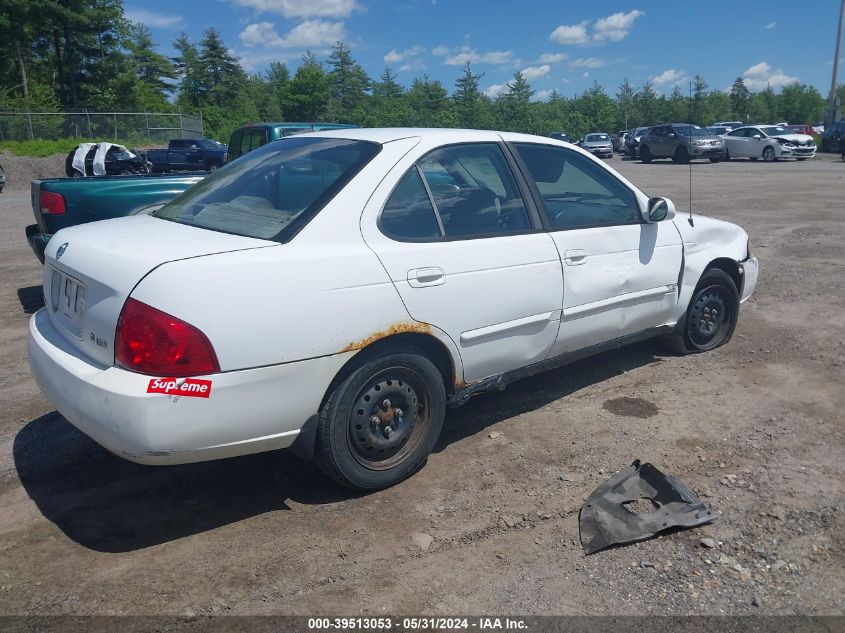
{"x": 647, "y": 104}
{"x": 151, "y": 68}
{"x": 598, "y": 108}
{"x": 347, "y": 83}
{"x": 514, "y": 106}
{"x": 627, "y": 116}
{"x": 221, "y": 78}
{"x": 800, "y": 103}
{"x": 307, "y": 92}
{"x": 740, "y": 99}
{"x": 471, "y": 107}
{"x": 430, "y": 104}
{"x": 698, "y": 107}
{"x": 677, "y": 106}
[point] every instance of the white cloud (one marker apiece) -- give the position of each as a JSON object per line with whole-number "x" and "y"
{"x": 588, "y": 62}
{"x": 307, "y": 34}
{"x": 615, "y": 27}
{"x": 535, "y": 72}
{"x": 394, "y": 56}
{"x": 471, "y": 55}
{"x": 158, "y": 20}
{"x": 585, "y": 75}
{"x": 667, "y": 77}
{"x": 571, "y": 34}
{"x": 415, "y": 65}
{"x": 552, "y": 58}
{"x": 496, "y": 90}
{"x": 541, "y": 95}
{"x": 304, "y": 8}
{"x": 440, "y": 51}
{"x": 761, "y": 75}
{"x": 771, "y": 25}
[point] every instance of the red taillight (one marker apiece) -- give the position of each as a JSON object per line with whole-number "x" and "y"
{"x": 51, "y": 203}
{"x": 152, "y": 342}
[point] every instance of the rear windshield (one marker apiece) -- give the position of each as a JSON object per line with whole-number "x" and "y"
{"x": 273, "y": 191}
{"x": 592, "y": 138}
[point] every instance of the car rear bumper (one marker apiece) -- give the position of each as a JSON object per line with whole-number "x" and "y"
{"x": 246, "y": 411}
{"x": 750, "y": 268}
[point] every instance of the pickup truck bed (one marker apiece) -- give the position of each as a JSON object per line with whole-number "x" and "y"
{"x": 98, "y": 198}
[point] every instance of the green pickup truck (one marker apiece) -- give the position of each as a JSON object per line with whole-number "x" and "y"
{"x": 61, "y": 202}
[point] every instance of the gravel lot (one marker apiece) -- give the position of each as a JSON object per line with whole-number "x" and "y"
{"x": 490, "y": 525}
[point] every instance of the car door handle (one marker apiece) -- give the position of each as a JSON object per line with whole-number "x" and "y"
{"x": 575, "y": 257}
{"x": 422, "y": 277}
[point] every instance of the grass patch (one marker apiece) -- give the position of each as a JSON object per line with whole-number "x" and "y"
{"x": 48, "y": 148}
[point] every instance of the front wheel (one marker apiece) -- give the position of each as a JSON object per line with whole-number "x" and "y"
{"x": 379, "y": 424}
{"x": 727, "y": 155}
{"x": 711, "y": 317}
{"x": 645, "y": 154}
{"x": 715, "y": 160}
{"x": 681, "y": 155}
{"x": 769, "y": 154}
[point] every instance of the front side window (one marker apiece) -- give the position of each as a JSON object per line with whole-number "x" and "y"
{"x": 272, "y": 192}
{"x": 578, "y": 193}
{"x": 474, "y": 191}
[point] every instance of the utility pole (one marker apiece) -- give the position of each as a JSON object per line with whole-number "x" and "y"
{"x": 831, "y": 100}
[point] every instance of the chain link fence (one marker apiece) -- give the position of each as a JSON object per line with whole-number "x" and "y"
{"x": 137, "y": 127}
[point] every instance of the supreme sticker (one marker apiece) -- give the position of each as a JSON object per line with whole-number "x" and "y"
{"x": 188, "y": 387}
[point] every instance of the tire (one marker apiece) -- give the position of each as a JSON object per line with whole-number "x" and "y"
{"x": 212, "y": 167}
{"x": 769, "y": 154}
{"x": 727, "y": 155}
{"x": 752, "y": 157}
{"x": 125, "y": 172}
{"x": 77, "y": 174}
{"x": 357, "y": 444}
{"x": 711, "y": 317}
{"x": 715, "y": 160}
{"x": 645, "y": 154}
{"x": 800, "y": 159}
{"x": 681, "y": 155}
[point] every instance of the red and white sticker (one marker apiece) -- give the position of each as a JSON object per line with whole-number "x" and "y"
{"x": 187, "y": 387}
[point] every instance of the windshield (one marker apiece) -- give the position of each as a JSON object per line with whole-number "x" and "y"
{"x": 274, "y": 190}
{"x": 206, "y": 143}
{"x": 591, "y": 138}
{"x": 774, "y": 130}
{"x": 686, "y": 130}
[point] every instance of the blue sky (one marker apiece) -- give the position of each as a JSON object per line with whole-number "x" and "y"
{"x": 557, "y": 43}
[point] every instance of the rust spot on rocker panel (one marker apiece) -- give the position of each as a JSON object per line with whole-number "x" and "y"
{"x": 399, "y": 328}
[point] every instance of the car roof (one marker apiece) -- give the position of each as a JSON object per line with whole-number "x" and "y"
{"x": 444, "y": 135}
{"x": 290, "y": 124}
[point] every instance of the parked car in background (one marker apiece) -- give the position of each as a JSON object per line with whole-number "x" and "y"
{"x": 731, "y": 124}
{"x": 2, "y": 178}
{"x": 632, "y": 143}
{"x": 187, "y": 154}
{"x": 832, "y": 135}
{"x": 619, "y": 141}
{"x": 560, "y": 136}
{"x": 681, "y": 142}
{"x": 252, "y": 136}
{"x": 718, "y": 130}
{"x": 58, "y": 203}
{"x": 104, "y": 159}
{"x": 428, "y": 296}
{"x": 598, "y": 144}
{"x": 769, "y": 142}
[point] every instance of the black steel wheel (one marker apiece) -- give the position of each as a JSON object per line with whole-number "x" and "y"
{"x": 711, "y": 317}
{"x": 380, "y": 423}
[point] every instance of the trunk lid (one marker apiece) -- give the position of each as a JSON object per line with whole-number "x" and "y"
{"x": 90, "y": 271}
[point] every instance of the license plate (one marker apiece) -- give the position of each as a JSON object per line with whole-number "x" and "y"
{"x": 68, "y": 299}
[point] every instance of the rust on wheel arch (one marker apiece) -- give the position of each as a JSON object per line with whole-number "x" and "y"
{"x": 399, "y": 328}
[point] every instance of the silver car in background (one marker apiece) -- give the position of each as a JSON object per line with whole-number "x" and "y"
{"x": 681, "y": 142}
{"x": 598, "y": 144}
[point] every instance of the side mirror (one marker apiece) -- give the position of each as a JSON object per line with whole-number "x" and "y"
{"x": 659, "y": 209}
{"x": 671, "y": 135}
{"x": 756, "y": 137}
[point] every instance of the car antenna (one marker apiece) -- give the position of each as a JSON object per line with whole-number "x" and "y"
{"x": 689, "y": 156}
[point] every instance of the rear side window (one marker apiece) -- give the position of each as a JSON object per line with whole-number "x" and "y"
{"x": 576, "y": 192}
{"x": 275, "y": 190}
{"x": 408, "y": 214}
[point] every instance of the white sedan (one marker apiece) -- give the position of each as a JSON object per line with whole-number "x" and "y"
{"x": 334, "y": 292}
{"x": 769, "y": 142}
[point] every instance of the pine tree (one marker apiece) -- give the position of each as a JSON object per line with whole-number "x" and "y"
{"x": 151, "y": 67}
{"x": 625, "y": 105}
{"x": 740, "y": 98}
{"x": 470, "y": 106}
{"x": 387, "y": 86}
{"x": 307, "y": 92}
{"x": 348, "y": 83}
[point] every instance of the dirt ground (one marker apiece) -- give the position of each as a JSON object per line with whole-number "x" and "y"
{"x": 755, "y": 428}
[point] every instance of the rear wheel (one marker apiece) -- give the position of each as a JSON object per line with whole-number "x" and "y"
{"x": 711, "y": 317}
{"x": 681, "y": 155}
{"x": 769, "y": 154}
{"x": 379, "y": 424}
{"x": 645, "y": 154}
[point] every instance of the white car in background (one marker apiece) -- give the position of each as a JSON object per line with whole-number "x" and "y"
{"x": 769, "y": 142}
{"x": 333, "y": 292}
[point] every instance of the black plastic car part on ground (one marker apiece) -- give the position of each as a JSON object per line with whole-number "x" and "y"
{"x": 605, "y": 520}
